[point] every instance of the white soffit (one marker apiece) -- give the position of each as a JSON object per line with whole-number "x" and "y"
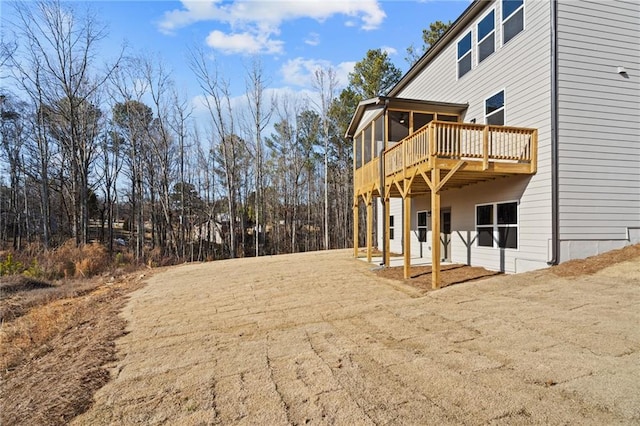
{"x": 368, "y": 116}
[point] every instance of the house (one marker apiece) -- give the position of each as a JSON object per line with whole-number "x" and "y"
{"x": 512, "y": 144}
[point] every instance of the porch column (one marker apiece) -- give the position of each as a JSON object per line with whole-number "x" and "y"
{"x": 387, "y": 225}
{"x": 369, "y": 226}
{"x": 435, "y": 229}
{"x": 356, "y": 214}
{"x": 406, "y": 232}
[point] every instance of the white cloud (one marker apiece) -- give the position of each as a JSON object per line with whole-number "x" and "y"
{"x": 313, "y": 39}
{"x": 253, "y": 22}
{"x": 300, "y": 71}
{"x": 389, "y": 50}
{"x": 273, "y": 13}
{"x": 243, "y": 43}
{"x": 343, "y": 70}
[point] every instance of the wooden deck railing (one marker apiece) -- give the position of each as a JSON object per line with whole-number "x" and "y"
{"x": 367, "y": 174}
{"x": 462, "y": 141}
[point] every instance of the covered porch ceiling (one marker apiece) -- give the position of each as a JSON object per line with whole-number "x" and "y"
{"x": 370, "y": 109}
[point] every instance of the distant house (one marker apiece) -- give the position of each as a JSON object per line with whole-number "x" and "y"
{"x": 513, "y": 143}
{"x": 212, "y": 230}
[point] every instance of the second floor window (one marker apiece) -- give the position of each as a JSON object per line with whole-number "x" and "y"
{"x": 512, "y": 19}
{"x": 464, "y": 55}
{"x": 494, "y": 109}
{"x": 486, "y": 36}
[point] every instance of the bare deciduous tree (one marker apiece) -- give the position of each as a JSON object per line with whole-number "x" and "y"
{"x": 260, "y": 111}
{"x": 325, "y": 82}
{"x": 217, "y": 99}
{"x": 54, "y": 64}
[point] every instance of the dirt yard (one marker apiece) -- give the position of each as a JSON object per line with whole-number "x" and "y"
{"x": 318, "y": 338}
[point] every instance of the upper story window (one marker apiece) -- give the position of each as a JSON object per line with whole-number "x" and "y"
{"x": 494, "y": 109}
{"x": 512, "y": 19}
{"x": 464, "y": 55}
{"x": 486, "y": 36}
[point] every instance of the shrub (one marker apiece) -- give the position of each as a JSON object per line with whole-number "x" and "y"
{"x": 70, "y": 261}
{"x": 9, "y": 266}
{"x": 34, "y": 271}
{"x": 94, "y": 260}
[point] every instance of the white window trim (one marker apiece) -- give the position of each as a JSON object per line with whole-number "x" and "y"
{"x": 478, "y": 41}
{"x": 502, "y": 21}
{"x": 504, "y": 106}
{"x": 495, "y": 233}
{"x": 392, "y": 227}
{"x": 426, "y": 226}
{"x": 458, "y": 76}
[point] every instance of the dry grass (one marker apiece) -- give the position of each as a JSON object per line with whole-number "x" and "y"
{"x": 28, "y": 335}
{"x": 18, "y": 294}
{"x": 593, "y": 264}
{"x": 53, "y": 355}
{"x": 86, "y": 261}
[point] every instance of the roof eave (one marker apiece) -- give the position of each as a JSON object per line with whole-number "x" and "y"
{"x": 398, "y": 102}
{"x": 355, "y": 120}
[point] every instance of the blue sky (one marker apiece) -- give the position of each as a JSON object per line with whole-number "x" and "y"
{"x": 291, "y": 38}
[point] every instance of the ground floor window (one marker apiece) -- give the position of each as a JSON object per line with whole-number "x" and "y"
{"x": 497, "y": 225}
{"x": 422, "y": 226}
{"x": 391, "y": 227}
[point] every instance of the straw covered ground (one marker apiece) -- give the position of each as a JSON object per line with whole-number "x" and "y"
{"x": 58, "y": 343}
{"x": 319, "y": 338}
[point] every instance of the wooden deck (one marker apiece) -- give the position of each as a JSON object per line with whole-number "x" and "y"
{"x": 441, "y": 155}
{"x": 476, "y": 152}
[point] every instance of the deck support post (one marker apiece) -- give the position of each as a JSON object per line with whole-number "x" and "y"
{"x": 435, "y": 229}
{"x": 356, "y": 214}
{"x": 406, "y": 232}
{"x": 369, "y": 226}
{"x": 387, "y": 237}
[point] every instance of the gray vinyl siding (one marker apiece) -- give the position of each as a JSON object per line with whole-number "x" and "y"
{"x": 522, "y": 69}
{"x": 599, "y": 125}
{"x": 395, "y": 210}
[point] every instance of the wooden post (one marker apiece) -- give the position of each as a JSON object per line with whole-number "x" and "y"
{"x": 369, "y": 226}
{"x": 406, "y": 231}
{"x": 485, "y": 148}
{"x": 356, "y": 214}
{"x": 435, "y": 229}
{"x": 432, "y": 141}
{"x": 534, "y": 151}
{"x": 387, "y": 225}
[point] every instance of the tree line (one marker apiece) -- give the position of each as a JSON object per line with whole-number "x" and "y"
{"x": 111, "y": 152}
